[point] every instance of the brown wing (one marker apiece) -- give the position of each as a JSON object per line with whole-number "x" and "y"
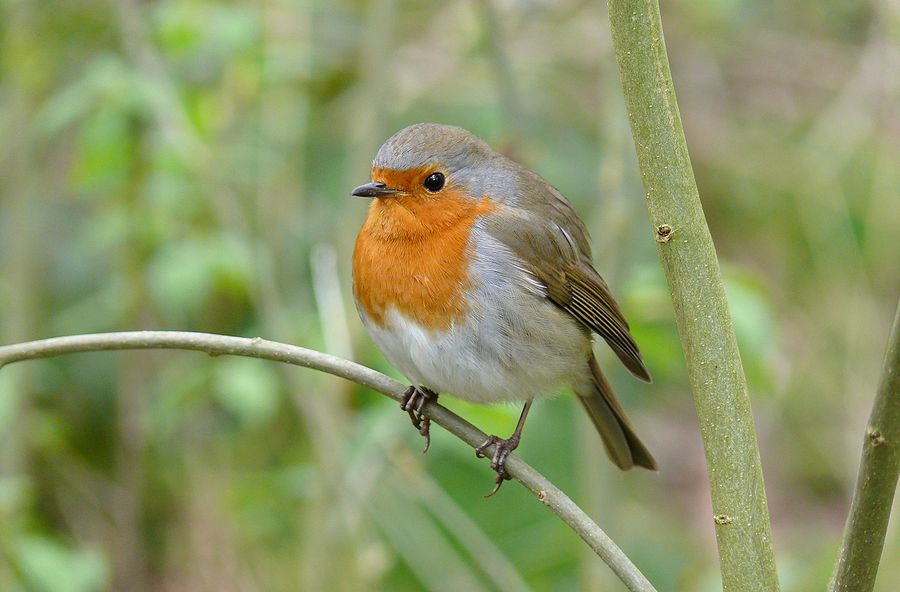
{"x": 588, "y": 299}
{"x": 546, "y": 233}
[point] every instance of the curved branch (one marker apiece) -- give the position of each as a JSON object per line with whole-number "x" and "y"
{"x": 863, "y": 540}
{"x": 217, "y": 345}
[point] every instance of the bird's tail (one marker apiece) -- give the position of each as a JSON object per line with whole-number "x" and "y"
{"x": 622, "y": 445}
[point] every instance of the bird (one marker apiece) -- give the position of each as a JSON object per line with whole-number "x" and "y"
{"x": 474, "y": 276}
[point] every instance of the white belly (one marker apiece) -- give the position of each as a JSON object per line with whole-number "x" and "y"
{"x": 514, "y": 344}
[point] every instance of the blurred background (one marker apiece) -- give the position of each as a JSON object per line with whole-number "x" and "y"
{"x": 187, "y": 165}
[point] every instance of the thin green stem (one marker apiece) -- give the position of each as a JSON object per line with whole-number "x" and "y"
{"x": 688, "y": 257}
{"x": 224, "y": 345}
{"x": 857, "y": 564}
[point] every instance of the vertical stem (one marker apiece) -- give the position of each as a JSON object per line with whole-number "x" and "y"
{"x": 503, "y": 73}
{"x": 328, "y": 556}
{"x": 688, "y": 257}
{"x": 857, "y": 564}
{"x": 21, "y": 183}
{"x": 128, "y": 552}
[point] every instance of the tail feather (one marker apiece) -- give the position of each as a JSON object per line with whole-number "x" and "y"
{"x": 622, "y": 445}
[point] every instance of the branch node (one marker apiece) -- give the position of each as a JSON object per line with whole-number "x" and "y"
{"x": 664, "y": 233}
{"x": 542, "y": 497}
{"x": 875, "y": 438}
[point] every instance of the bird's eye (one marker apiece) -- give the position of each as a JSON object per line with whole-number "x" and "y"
{"x": 434, "y": 182}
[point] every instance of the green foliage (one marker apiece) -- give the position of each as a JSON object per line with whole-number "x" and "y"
{"x": 48, "y": 566}
{"x": 247, "y": 389}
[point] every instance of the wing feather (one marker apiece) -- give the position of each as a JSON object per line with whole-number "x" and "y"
{"x": 554, "y": 249}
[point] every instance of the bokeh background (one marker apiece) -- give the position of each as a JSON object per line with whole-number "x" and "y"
{"x": 187, "y": 165}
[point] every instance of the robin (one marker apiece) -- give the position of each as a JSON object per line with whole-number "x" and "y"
{"x": 474, "y": 276}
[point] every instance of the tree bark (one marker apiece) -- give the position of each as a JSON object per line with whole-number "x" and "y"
{"x": 688, "y": 256}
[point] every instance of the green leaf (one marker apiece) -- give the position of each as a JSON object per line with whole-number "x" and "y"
{"x": 51, "y": 566}
{"x": 181, "y": 277}
{"x": 753, "y": 324}
{"x": 248, "y": 389}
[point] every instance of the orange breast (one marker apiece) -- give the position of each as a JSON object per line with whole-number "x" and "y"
{"x": 413, "y": 254}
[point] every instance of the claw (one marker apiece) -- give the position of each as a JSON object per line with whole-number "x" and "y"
{"x": 479, "y": 451}
{"x": 501, "y": 477}
{"x": 413, "y": 401}
{"x": 502, "y": 450}
{"x": 425, "y": 430}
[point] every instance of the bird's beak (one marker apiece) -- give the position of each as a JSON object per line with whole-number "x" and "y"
{"x": 374, "y": 189}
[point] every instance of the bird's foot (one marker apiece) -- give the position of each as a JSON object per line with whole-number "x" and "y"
{"x": 502, "y": 450}
{"x": 414, "y": 400}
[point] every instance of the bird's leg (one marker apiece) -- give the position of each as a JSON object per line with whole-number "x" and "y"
{"x": 503, "y": 448}
{"x": 414, "y": 399}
